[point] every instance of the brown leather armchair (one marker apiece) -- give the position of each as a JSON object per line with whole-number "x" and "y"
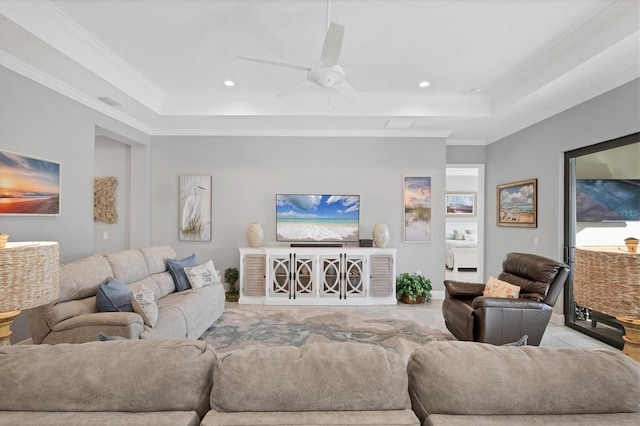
{"x": 470, "y": 316}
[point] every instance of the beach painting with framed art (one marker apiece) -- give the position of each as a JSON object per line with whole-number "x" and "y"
{"x": 28, "y": 185}
{"x": 417, "y": 209}
{"x": 461, "y": 203}
{"x": 195, "y": 207}
{"x": 518, "y": 204}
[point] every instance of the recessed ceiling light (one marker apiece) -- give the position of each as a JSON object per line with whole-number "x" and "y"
{"x": 424, "y": 83}
{"x": 229, "y": 83}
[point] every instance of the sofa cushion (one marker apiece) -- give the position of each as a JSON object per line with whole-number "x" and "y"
{"x": 145, "y": 304}
{"x": 128, "y": 266}
{"x": 114, "y": 296}
{"x": 156, "y": 258}
{"x": 176, "y": 267}
{"x": 316, "y": 377}
{"x": 156, "y": 418}
{"x": 313, "y": 418}
{"x": 202, "y": 275}
{"x": 124, "y": 376}
{"x": 81, "y": 278}
{"x": 532, "y": 379}
{"x": 199, "y": 308}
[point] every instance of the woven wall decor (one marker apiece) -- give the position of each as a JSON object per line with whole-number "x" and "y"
{"x": 104, "y": 200}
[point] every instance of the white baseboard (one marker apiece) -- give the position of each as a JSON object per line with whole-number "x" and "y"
{"x": 437, "y": 294}
{"x": 557, "y": 319}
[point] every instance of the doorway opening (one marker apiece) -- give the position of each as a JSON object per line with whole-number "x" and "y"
{"x": 464, "y": 224}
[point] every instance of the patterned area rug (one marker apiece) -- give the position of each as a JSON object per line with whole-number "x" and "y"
{"x": 239, "y": 328}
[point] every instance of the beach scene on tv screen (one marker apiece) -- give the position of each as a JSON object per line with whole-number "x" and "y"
{"x": 317, "y": 217}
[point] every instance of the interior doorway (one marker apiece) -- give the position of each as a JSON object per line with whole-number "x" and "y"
{"x": 464, "y": 224}
{"x": 602, "y": 208}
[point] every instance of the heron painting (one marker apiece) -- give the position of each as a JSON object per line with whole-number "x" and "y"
{"x": 195, "y": 208}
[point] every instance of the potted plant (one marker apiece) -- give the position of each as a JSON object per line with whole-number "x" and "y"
{"x": 231, "y": 276}
{"x": 413, "y": 288}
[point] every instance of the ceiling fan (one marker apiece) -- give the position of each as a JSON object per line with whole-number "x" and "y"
{"x": 329, "y": 74}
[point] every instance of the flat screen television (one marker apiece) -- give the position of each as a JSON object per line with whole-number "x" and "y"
{"x": 605, "y": 200}
{"x": 317, "y": 218}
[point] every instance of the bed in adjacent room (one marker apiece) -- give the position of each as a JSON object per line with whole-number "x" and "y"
{"x": 461, "y": 248}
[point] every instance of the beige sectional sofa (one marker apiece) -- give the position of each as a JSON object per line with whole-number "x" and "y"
{"x": 184, "y": 382}
{"x": 74, "y": 318}
{"x": 465, "y": 383}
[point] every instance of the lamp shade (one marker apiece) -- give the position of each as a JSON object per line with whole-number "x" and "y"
{"x": 28, "y": 275}
{"x": 607, "y": 280}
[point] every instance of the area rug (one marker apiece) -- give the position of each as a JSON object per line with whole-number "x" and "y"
{"x": 241, "y": 328}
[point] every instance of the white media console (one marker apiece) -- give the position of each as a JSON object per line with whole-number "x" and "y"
{"x": 318, "y": 276}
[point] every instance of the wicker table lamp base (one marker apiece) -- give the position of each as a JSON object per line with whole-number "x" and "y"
{"x": 6, "y": 318}
{"x": 631, "y": 337}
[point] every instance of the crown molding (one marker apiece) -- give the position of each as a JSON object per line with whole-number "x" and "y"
{"x": 49, "y": 24}
{"x": 32, "y": 73}
{"x": 334, "y": 133}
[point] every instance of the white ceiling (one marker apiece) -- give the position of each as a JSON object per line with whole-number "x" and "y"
{"x": 495, "y": 66}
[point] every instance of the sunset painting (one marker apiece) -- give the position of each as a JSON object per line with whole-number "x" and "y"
{"x": 28, "y": 186}
{"x": 417, "y": 209}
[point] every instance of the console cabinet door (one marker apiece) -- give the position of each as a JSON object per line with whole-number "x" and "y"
{"x": 342, "y": 276}
{"x": 280, "y": 275}
{"x": 353, "y": 278}
{"x": 381, "y": 279}
{"x": 292, "y": 275}
{"x": 253, "y": 275}
{"x": 331, "y": 276}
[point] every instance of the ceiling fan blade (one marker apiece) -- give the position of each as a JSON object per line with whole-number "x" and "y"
{"x": 277, "y": 64}
{"x": 332, "y": 44}
{"x": 348, "y": 92}
{"x": 293, "y": 88}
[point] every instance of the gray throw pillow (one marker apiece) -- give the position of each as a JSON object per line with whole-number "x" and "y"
{"x": 176, "y": 268}
{"x": 114, "y": 296}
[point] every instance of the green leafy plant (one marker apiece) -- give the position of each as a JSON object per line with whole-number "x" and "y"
{"x": 231, "y": 276}
{"x": 412, "y": 286}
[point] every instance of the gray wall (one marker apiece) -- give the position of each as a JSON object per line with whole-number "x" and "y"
{"x": 37, "y": 121}
{"x": 538, "y": 152}
{"x": 248, "y": 172}
{"x": 113, "y": 159}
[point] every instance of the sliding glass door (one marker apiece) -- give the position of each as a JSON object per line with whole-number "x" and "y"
{"x": 602, "y": 208}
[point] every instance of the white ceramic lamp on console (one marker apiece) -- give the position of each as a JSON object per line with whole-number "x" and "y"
{"x": 28, "y": 278}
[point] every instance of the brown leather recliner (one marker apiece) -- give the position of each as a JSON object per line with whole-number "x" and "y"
{"x": 470, "y": 316}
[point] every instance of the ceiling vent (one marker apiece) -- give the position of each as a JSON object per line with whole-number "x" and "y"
{"x": 107, "y": 100}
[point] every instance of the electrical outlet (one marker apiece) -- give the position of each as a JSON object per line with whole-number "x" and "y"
{"x": 535, "y": 241}
{"x": 105, "y": 235}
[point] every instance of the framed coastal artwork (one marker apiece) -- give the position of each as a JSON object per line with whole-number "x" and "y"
{"x": 29, "y": 186}
{"x": 195, "y": 207}
{"x": 417, "y": 209}
{"x": 461, "y": 203}
{"x": 518, "y": 204}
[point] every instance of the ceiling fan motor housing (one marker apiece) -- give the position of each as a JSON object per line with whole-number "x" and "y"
{"x": 325, "y": 76}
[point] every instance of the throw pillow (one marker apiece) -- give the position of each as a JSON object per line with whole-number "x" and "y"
{"x": 176, "y": 268}
{"x": 105, "y": 338}
{"x": 113, "y": 296}
{"x": 522, "y": 342}
{"x": 145, "y": 304}
{"x": 471, "y": 237}
{"x": 458, "y": 234}
{"x": 202, "y": 275}
{"x": 498, "y": 288}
